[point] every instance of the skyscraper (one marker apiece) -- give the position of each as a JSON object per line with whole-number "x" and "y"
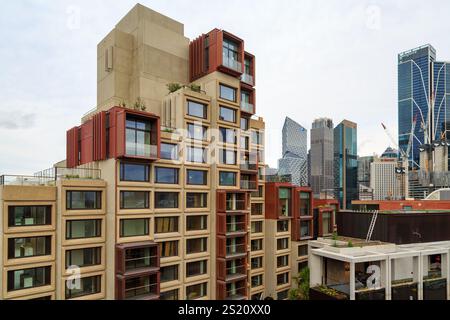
{"x": 345, "y": 163}
{"x": 383, "y": 179}
{"x": 423, "y": 85}
{"x": 295, "y": 154}
{"x": 364, "y": 177}
{"x": 322, "y": 138}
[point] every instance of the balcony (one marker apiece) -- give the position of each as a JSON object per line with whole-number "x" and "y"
{"x": 231, "y": 64}
{"x": 249, "y": 185}
{"x": 142, "y": 288}
{"x": 247, "y": 107}
{"x": 235, "y": 204}
{"x": 234, "y": 273}
{"x": 248, "y": 79}
{"x": 236, "y": 250}
{"x": 236, "y": 227}
{"x": 236, "y": 291}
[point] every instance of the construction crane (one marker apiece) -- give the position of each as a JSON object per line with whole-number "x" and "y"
{"x": 404, "y": 155}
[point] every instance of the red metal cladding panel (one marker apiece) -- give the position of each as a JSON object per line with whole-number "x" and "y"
{"x": 100, "y": 136}
{"x": 221, "y": 201}
{"x": 87, "y": 142}
{"x": 221, "y": 266}
{"x": 120, "y": 133}
{"x": 221, "y": 290}
{"x": 72, "y": 148}
{"x": 221, "y": 246}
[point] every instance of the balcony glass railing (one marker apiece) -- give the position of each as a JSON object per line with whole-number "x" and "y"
{"x": 141, "y": 150}
{"x": 236, "y": 271}
{"x": 248, "y": 185}
{"x": 247, "y": 78}
{"x": 247, "y": 107}
{"x": 235, "y": 226}
{"x": 232, "y": 63}
{"x": 139, "y": 263}
{"x": 141, "y": 291}
{"x": 233, "y": 205}
{"x": 238, "y": 293}
{"x": 236, "y": 249}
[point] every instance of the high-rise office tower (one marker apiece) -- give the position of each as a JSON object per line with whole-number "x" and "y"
{"x": 423, "y": 89}
{"x": 322, "y": 137}
{"x": 295, "y": 155}
{"x": 345, "y": 163}
{"x": 383, "y": 179}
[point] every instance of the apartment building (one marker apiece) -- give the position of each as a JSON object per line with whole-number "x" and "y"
{"x": 161, "y": 195}
{"x": 288, "y": 227}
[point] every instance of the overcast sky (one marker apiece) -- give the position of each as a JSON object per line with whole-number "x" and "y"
{"x": 334, "y": 58}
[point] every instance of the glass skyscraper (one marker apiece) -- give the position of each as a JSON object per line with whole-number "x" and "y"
{"x": 423, "y": 93}
{"x": 345, "y": 163}
{"x": 295, "y": 154}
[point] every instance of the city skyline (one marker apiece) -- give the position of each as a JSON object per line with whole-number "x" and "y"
{"x": 32, "y": 113}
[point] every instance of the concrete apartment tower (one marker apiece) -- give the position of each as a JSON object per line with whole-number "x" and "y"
{"x": 322, "y": 146}
{"x": 295, "y": 153}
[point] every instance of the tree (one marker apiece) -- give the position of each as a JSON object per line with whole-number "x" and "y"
{"x": 301, "y": 292}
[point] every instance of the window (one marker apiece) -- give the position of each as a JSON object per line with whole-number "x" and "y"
{"x": 257, "y": 226}
{"x": 196, "y": 291}
{"x": 169, "y": 249}
{"x": 196, "y": 223}
{"x": 134, "y": 199}
{"x": 259, "y": 193}
{"x": 227, "y": 156}
{"x": 245, "y": 143}
{"x": 196, "y": 200}
{"x": 134, "y": 172}
{"x": 134, "y": 227}
{"x": 227, "y": 93}
{"x": 230, "y": 50}
{"x": 138, "y": 137}
{"x": 256, "y": 137}
{"x": 166, "y": 225}
{"x": 282, "y": 261}
{"x": 82, "y": 229}
{"x": 282, "y": 295}
{"x": 305, "y": 205}
{"x": 83, "y": 200}
{"x": 29, "y": 247}
{"x": 227, "y": 114}
{"x": 257, "y": 281}
{"x": 256, "y": 245}
{"x": 169, "y": 273}
{"x": 247, "y": 66}
{"x": 284, "y": 202}
{"x": 138, "y": 258}
{"x": 197, "y": 155}
{"x": 196, "y": 177}
{"x": 227, "y": 178}
{"x": 197, "y": 132}
{"x": 257, "y": 209}
{"x": 305, "y": 229}
{"x": 302, "y": 265}
{"x": 257, "y": 263}
{"x": 140, "y": 286}
{"x": 88, "y": 286}
{"x": 83, "y": 257}
{"x": 21, "y": 216}
{"x": 169, "y": 295}
{"x": 166, "y": 175}
{"x": 303, "y": 250}
{"x": 166, "y": 200}
{"x": 282, "y": 243}
{"x": 282, "y": 226}
{"x": 28, "y": 278}
{"x": 196, "y": 245}
{"x": 227, "y": 135}
{"x": 196, "y": 109}
{"x": 196, "y": 268}
{"x": 169, "y": 151}
{"x": 282, "y": 278}
{"x": 244, "y": 124}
